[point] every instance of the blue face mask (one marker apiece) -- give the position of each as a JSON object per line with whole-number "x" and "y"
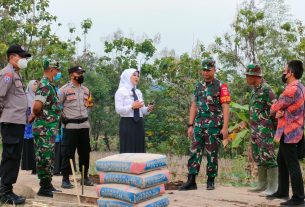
{"x": 58, "y": 76}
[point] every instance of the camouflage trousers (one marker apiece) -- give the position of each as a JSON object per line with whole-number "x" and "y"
{"x": 208, "y": 140}
{"x": 44, "y": 151}
{"x": 263, "y": 152}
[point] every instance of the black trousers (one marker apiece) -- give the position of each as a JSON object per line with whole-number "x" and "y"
{"x": 132, "y": 135}
{"x": 75, "y": 139}
{"x": 57, "y": 163}
{"x": 289, "y": 166}
{"x": 12, "y": 139}
{"x": 28, "y": 155}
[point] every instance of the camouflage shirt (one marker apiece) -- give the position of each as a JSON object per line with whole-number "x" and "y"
{"x": 51, "y": 112}
{"x": 209, "y": 98}
{"x": 261, "y": 123}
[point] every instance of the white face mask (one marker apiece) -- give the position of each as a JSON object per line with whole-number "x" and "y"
{"x": 22, "y": 63}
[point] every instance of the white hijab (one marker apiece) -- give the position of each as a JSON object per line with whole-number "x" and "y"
{"x": 30, "y": 94}
{"x": 125, "y": 79}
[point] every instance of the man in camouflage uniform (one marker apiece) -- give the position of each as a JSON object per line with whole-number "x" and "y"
{"x": 208, "y": 124}
{"x": 47, "y": 113}
{"x": 262, "y": 126}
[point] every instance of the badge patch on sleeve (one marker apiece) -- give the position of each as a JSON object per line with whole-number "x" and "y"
{"x": 7, "y": 77}
{"x": 224, "y": 94}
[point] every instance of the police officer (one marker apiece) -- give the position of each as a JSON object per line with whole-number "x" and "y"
{"x": 47, "y": 112}
{"x": 208, "y": 124}
{"x": 74, "y": 97}
{"x": 13, "y": 106}
{"x": 263, "y": 127}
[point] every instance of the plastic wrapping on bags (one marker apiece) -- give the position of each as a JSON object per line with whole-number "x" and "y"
{"x": 144, "y": 180}
{"x": 129, "y": 193}
{"x": 160, "y": 201}
{"x": 134, "y": 163}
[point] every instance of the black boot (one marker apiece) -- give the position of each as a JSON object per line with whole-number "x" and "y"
{"x": 54, "y": 189}
{"x": 8, "y": 196}
{"x": 277, "y": 195}
{"x": 87, "y": 181}
{"x": 190, "y": 183}
{"x": 66, "y": 182}
{"x": 46, "y": 188}
{"x": 210, "y": 183}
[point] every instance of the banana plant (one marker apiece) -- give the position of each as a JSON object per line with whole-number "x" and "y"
{"x": 240, "y": 130}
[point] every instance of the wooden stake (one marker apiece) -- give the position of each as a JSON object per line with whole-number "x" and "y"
{"x": 75, "y": 183}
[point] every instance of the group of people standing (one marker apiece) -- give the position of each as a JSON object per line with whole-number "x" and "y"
{"x": 42, "y": 112}
{"x": 271, "y": 119}
{"x": 37, "y": 116}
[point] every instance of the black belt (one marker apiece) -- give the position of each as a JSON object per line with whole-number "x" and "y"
{"x": 74, "y": 121}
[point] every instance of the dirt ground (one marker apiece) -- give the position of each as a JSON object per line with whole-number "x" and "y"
{"x": 226, "y": 196}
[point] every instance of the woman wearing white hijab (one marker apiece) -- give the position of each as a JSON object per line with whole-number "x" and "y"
{"x": 28, "y": 154}
{"x": 129, "y": 104}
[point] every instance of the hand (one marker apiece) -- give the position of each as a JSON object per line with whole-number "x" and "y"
{"x": 190, "y": 132}
{"x": 150, "y": 108}
{"x": 137, "y": 104}
{"x": 224, "y": 132}
{"x": 225, "y": 142}
{"x": 31, "y": 118}
{"x": 279, "y": 114}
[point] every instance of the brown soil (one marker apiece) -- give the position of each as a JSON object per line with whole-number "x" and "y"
{"x": 226, "y": 196}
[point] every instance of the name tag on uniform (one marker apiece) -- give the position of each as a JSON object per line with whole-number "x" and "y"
{"x": 70, "y": 94}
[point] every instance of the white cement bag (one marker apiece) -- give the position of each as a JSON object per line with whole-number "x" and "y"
{"x": 160, "y": 201}
{"x": 144, "y": 180}
{"x": 135, "y": 163}
{"x": 129, "y": 193}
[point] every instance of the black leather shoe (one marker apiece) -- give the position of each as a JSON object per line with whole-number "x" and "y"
{"x": 88, "y": 182}
{"x": 12, "y": 198}
{"x": 292, "y": 202}
{"x": 210, "y": 185}
{"x": 66, "y": 184}
{"x": 277, "y": 195}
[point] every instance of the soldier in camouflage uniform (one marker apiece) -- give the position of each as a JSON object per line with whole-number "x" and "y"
{"x": 262, "y": 126}
{"x": 208, "y": 124}
{"x": 47, "y": 113}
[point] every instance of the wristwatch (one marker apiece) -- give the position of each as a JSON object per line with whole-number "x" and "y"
{"x": 190, "y": 125}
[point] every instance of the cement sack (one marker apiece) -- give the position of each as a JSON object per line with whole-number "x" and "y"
{"x": 144, "y": 180}
{"x": 134, "y": 163}
{"x": 129, "y": 193}
{"x": 160, "y": 201}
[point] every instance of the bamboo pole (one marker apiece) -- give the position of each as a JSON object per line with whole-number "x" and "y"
{"x": 75, "y": 183}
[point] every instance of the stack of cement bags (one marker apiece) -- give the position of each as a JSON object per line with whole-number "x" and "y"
{"x": 132, "y": 179}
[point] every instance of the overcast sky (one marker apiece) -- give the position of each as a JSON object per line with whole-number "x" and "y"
{"x": 180, "y": 22}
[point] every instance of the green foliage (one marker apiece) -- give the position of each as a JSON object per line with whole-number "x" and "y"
{"x": 260, "y": 34}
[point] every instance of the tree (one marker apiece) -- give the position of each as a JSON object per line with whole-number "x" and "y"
{"x": 86, "y": 25}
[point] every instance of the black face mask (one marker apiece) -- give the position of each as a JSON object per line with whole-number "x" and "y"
{"x": 284, "y": 79}
{"x": 79, "y": 79}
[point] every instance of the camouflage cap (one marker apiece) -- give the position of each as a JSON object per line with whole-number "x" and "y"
{"x": 208, "y": 64}
{"x": 48, "y": 63}
{"x": 253, "y": 69}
